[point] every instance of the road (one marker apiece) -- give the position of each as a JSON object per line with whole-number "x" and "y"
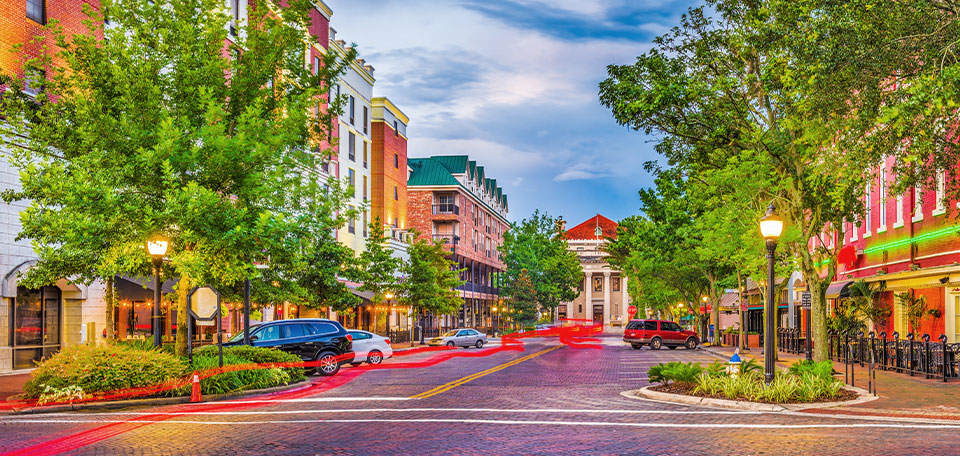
{"x": 548, "y": 398}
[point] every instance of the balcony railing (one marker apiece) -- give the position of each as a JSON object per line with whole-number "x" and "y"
{"x": 445, "y": 209}
{"x": 447, "y": 238}
{"x": 476, "y": 287}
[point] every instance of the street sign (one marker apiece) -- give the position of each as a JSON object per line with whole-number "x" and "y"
{"x": 805, "y": 300}
{"x": 204, "y": 303}
{"x": 632, "y": 310}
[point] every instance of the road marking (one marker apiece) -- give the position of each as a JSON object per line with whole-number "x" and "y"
{"x": 470, "y": 410}
{"x": 305, "y": 399}
{"x": 519, "y": 422}
{"x": 472, "y": 377}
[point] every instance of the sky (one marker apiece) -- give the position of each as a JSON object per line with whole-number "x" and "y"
{"x": 514, "y": 84}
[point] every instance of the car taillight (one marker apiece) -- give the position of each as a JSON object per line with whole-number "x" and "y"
{"x": 350, "y": 338}
{"x": 387, "y": 341}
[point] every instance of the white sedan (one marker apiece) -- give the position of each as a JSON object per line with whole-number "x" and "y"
{"x": 369, "y": 347}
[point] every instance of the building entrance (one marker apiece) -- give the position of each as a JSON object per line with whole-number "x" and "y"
{"x": 598, "y": 314}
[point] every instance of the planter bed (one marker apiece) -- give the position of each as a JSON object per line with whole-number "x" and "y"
{"x": 687, "y": 390}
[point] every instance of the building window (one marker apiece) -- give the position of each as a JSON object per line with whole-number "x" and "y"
{"x": 352, "y": 178}
{"x": 396, "y": 128}
{"x": 941, "y": 193}
{"x": 364, "y": 155}
{"x": 316, "y": 65}
{"x": 918, "y": 202}
{"x": 365, "y": 114}
{"x": 352, "y": 146}
{"x": 598, "y": 284}
{"x": 37, "y": 11}
{"x": 36, "y": 325}
{"x": 854, "y": 236}
{"x": 235, "y": 16}
{"x": 899, "y": 211}
{"x": 353, "y": 107}
{"x": 616, "y": 284}
{"x": 868, "y": 227}
{"x": 396, "y": 161}
{"x": 882, "y": 199}
{"x": 352, "y": 223}
{"x": 364, "y": 222}
{"x": 364, "y": 188}
{"x": 396, "y": 194}
{"x": 33, "y": 82}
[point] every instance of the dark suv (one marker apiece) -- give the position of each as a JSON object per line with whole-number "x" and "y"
{"x": 658, "y": 333}
{"x": 312, "y": 339}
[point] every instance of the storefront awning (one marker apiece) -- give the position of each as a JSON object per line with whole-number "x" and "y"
{"x": 838, "y": 290}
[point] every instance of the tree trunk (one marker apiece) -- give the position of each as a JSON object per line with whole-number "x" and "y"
{"x": 743, "y": 324}
{"x": 109, "y": 298}
{"x": 818, "y": 319}
{"x": 183, "y": 289}
{"x": 715, "y": 296}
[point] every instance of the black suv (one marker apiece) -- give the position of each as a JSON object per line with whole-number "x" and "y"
{"x": 312, "y": 339}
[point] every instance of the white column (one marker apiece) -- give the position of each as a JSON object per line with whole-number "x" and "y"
{"x": 624, "y": 297}
{"x": 606, "y": 298}
{"x": 588, "y": 305}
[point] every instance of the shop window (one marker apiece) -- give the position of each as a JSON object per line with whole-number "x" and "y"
{"x": 616, "y": 284}
{"x": 36, "y": 325}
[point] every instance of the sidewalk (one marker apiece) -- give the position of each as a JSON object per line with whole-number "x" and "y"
{"x": 12, "y": 384}
{"x": 900, "y": 394}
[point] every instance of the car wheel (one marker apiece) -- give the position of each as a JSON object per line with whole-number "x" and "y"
{"x": 636, "y": 346}
{"x": 328, "y": 364}
{"x": 656, "y": 343}
{"x": 479, "y": 344}
{"x": 375, "y": 357}
{"x": 691, "y": 343}
{"x": 451, "y": 344}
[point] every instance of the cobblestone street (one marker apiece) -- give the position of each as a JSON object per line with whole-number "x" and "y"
{"x": 547, "y": 399}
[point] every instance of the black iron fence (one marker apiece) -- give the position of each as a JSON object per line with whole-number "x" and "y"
{"x": 931, "y": 359}
{"x": 791, "y": 340}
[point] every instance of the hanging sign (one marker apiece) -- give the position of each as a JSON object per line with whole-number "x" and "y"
{"x": 805, "y": 300}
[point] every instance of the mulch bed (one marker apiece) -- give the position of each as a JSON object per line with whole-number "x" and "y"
{"x": 687, "y": 390}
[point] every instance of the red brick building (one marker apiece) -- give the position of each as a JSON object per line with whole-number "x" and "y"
{"x": 450, "y": 198}
{"x": 389, "y": 164}
{"x": 911, "y": 242}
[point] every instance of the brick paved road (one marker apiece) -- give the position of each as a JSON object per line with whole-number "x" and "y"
{"x": 561, "y": 401}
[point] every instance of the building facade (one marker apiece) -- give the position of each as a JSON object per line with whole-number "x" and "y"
{"x": 355, "y": 142}
{"x": 451, "y": 199}
{"x": 604, "y": 298}
{"x": 910, "y": 243}
{"x": 389, "y": 169}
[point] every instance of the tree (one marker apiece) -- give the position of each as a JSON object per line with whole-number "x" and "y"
{"x": 164, "y": 126}
{"x": 718, "y": 88}
{"x": 537, "y": 245}
{"x": 377, "y": 268}
{"x": 868, "y": 301}
{"x": 523, "y": 299}
{"x": 431, "y": 281}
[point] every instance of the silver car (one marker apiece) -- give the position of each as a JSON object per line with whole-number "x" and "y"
{"x": 460, "y": 338}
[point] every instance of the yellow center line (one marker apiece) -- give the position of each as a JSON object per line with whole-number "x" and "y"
{"x": 472, "y": 377}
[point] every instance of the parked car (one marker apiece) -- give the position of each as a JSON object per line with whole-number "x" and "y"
{"x": 369, "y": 348}
{"x": 312, "y": 339}
{"x": 460, "y": 338}
{"x": 658, "y": 333}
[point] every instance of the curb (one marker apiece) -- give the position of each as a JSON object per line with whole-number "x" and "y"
{"x": 647, "y": 393}
{"x": 152, "y": 402}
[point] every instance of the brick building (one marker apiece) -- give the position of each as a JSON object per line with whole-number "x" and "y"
{"x": 911, "y": 242}
{"x": 450, "y": 198}
{"x": 603, "y": 295}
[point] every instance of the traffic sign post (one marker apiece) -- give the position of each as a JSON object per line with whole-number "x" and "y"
{"x": 203, "y": 304}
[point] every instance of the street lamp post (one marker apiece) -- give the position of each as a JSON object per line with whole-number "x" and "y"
{"x": 157, "y": 248}
{"x": 771, "y": 227}
{"x": 496, "y": 319}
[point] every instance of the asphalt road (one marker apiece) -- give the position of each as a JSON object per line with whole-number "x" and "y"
{"x": 547, "y": 398}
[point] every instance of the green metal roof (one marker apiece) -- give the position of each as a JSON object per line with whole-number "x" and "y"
{"x": 456, "y": 164}
{"x": 480, "y": 176}
{"x": 473, "y": 170}
{"x": 428, "y": 171}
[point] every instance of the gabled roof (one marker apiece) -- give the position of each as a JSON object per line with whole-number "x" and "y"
{"x": 480, "y": 176}
{"x": 427, "y": 171}
{"x": 473, "y": 170}
{"x": 587, "y": 230}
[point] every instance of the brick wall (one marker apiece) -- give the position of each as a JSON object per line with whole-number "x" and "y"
{"x": 385, "y": 176}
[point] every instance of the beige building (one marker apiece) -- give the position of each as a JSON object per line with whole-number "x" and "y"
{"x": 603, "y": 292}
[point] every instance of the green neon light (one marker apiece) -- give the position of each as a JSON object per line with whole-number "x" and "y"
{"x": 821, "y": 263}
{"x": 923, "y": 237}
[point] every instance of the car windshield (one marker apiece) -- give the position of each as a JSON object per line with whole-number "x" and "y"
{"x": 450, "y": 333}
{"x": 239, "y": 336}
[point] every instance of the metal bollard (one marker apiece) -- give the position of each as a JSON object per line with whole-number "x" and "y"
{"x": 926, "y": 357}
{"x": 883, "y": 342}
{"x": 910, "y": 365}
{"x": 944, "y": 364}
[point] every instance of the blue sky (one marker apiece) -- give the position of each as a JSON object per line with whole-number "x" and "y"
{"x": 513, "y": 84}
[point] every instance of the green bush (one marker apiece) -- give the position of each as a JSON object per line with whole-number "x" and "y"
{"x": 103, "y": 368}
{"x": 240, "y": 380}
{"x": 809, "y": 367}
{"x": 750, "y": 365}
{"x": 675, "y": 372}
{"x": 786, "y": 387}
{"x": 257, "y": 355}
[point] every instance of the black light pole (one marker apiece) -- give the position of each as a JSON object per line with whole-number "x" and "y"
{"x": 770, "y": 226}
{"x": 157, "y": 248}
{"x": 246, "y": 312}
{"x": 808, "y": 342}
